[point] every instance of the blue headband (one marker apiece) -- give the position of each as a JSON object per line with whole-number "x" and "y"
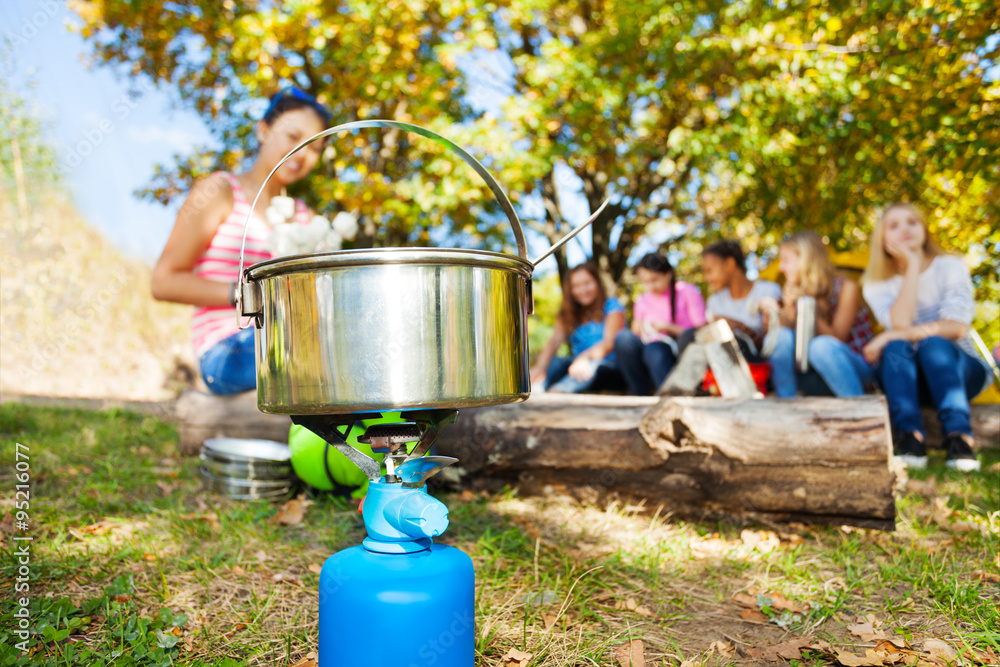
{"x": 299, "y": 94}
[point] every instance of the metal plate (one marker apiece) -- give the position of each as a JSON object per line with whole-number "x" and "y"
{"x": 242, "y": 489}
{"x": 262, "y": 470}
{"x": 242, "y": 450}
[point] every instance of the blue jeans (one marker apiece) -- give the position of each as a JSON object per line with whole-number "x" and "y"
{"x": 606, "y": 376}
{"x": 935, "y": 371}
{"x": 229, "y": 366}
{"x": 843, "y": 370}
{"x": 645, "y": 366}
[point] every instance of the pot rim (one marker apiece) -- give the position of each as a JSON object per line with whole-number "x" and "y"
{"x": 340, "y": 259}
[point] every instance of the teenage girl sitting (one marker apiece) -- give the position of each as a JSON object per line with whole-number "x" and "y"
{"x": 924, "y": 300}
{"x": 666, "y": 308}
{"x": 589, "y": 320}
{"x": 843, "y": 325}
{"x": 200, "y": 261}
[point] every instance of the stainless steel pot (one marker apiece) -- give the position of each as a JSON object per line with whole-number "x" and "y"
{"x": 392, "y": 328}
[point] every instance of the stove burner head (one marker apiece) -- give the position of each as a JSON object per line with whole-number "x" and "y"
{"x": 389, "y": 437}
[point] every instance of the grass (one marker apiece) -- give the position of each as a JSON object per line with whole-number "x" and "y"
{"x": 134, "y": 564}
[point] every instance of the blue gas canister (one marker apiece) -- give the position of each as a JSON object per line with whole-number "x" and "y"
{"x": 398, "y": 599}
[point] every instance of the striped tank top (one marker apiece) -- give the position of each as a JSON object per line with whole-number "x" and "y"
{"x": 221, "y": 261}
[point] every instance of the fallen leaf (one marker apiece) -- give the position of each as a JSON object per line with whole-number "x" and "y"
{"x": 781, "y": 603}
{"x": 982, "y": 575}
{"x": 236, "y": 628}
{"x": 549, "y": 620}
{"x": 236, "y": 569}
{"x": 724, "y": 649}
{"x": 870, "y": 659}
{"x": 293, "y": 511}
{"x": 631, "y": 654}
{"x": 286, "y": 577}
{"x": 260, "y": 556}
{"x": 744, "y": 600}
{"x": 98, "y": 528}
{"x": 927, "y": 487}
{"x": 515, "y": 658}
{"x": 209, "y": 517}
{"x": 834, "y": 584}
{"x": 764, "y": 541}
{"x": 823, "y": 647}
{"x": 149, "y": 557}
{"x": 117, "y": 533}
{"x": 631, "y": 604}
{"x": 791, "y": 650}
{"x": 866, "y": 630}
{"x": 980, "y": 657}
{"x": 940, "y": 513}
{"x": 315, "y": 569}
{"x": 754, "y": 616}
{"x": 189, "y": 643}
{"x": 691, "y": 663}
{"x": 308, "y": 661}
{"x": 166, "y": 488}
{"x": 710, "y": 547}
{"x": 939, "y": 649}
{"x": 467, "y": 496}
{"x": 892, "y": 644}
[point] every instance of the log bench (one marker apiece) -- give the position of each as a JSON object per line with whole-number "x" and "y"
{"x": 200, "y": 416}
{"x": 808, "y": 459}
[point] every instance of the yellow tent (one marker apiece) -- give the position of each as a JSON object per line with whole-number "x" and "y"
{"x": 851, "y": 264}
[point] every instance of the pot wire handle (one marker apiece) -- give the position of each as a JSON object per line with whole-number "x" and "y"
{"x": 566, "y": 239}
{"x": 491, "y": 182}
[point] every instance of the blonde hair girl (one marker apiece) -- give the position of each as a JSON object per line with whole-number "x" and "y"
{"x": 843, "y": 326}
{"x": 881, "y": 262}
{"x": 924, "y": 300}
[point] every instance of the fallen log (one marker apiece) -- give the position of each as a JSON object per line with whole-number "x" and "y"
{"x": 817, "y": 460}
{"x": 201, "y": 416}
{"x": 985, "y": 426}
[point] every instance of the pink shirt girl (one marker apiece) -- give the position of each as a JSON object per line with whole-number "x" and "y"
{"x": 656, "y": 307}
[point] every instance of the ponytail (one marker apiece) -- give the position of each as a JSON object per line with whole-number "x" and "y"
{"x": 673, "y": 297}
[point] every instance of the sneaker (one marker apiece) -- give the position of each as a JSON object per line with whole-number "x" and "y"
{"x": 959, "y": 455}
{"x": 912, "y": 452}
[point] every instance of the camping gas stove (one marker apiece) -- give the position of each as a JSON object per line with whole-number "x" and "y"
{"x": 342, "y": 337}
{"x": 398, "y": 572}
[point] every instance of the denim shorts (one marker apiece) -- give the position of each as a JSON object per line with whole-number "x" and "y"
{"x": 229, "y": 366}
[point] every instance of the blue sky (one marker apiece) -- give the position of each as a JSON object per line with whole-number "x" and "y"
{"x": 110, "y": 131}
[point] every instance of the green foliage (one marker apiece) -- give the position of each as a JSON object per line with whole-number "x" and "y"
{"x": 699, "y": 118}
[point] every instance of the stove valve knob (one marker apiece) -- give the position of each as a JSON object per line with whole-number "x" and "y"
{"x": 417, "y": 514}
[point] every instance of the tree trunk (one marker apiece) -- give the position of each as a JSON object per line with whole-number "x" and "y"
{"x": 816, "y": 459}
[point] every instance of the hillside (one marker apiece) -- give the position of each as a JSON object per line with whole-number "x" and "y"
{"x": 76, "y": 316}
